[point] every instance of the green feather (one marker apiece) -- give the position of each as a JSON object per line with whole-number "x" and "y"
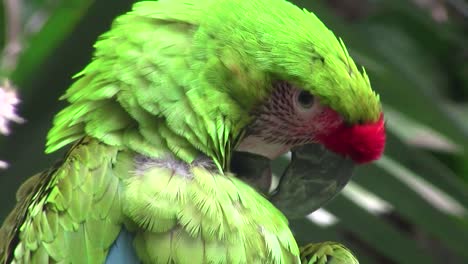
{"x": 72, "y": 214}
{"x": 327, "y": 253}
{"x": 167, "y": 196}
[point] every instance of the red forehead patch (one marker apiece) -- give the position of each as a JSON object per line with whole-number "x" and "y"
{"x": 362, "y": 142}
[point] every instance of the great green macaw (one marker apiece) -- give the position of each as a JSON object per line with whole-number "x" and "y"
{"x": 176, "y": 92}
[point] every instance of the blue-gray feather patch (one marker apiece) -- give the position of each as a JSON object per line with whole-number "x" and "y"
{"x": 122, "y": 251}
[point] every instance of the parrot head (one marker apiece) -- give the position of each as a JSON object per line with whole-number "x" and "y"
{"x": 293, "y": 87}
{"x": 305, "y": 86}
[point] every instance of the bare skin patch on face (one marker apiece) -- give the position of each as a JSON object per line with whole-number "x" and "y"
{"x": 290, "y": 117}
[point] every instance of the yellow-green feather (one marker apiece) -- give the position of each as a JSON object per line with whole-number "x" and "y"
{"x": 327, "y": 253}
{"x": 189, "y": 214}
{"x": 71, "y": 215}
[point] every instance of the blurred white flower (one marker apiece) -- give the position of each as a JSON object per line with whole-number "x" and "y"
{"x": 8, "y": 102}
{"x": 3, "y": 164}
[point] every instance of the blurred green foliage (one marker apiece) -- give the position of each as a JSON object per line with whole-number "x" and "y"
{"x": 417, "y": 61}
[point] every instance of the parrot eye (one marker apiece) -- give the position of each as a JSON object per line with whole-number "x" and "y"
{"x": 305, "y": 99}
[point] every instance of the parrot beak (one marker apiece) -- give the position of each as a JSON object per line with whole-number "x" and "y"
{"x": 314, "y": 176}
{"x": 253, "y": 169}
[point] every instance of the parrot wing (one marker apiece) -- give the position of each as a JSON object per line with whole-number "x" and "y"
{"x": 71, "y": 213}
{"x": 8, "y": 231}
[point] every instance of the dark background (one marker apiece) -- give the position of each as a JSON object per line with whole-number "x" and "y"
{"x": 416, "y": 54}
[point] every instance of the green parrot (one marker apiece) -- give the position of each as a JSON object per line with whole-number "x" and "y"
{"x": 178, "y": 93}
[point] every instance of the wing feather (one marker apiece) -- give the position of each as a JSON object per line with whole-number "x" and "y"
{"x": 70, "y": 213}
